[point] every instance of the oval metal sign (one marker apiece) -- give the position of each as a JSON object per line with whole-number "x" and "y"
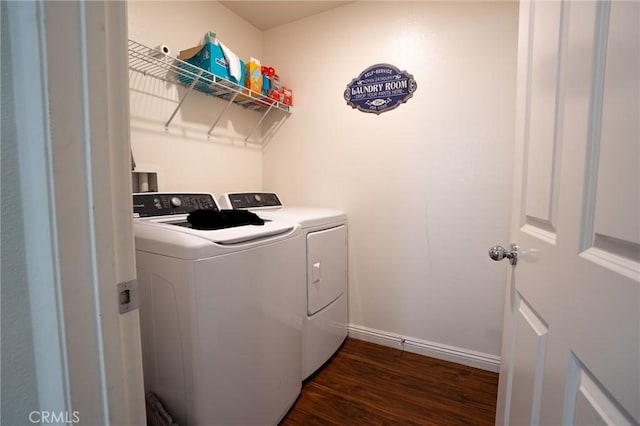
{"x": 380, "y": 88}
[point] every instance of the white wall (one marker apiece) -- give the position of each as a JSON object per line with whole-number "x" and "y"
{"x": 427, "y": 185}
{"x": 186, "y": 160}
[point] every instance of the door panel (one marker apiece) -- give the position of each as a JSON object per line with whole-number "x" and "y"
{"x": 587, "y": 402}
{"x": 571, "y": 341}
{"x": 611, "y": 231}
{"x": 618, "y": 151}
{"x": 530, "y": 337}
{"x": 543, "y": 147}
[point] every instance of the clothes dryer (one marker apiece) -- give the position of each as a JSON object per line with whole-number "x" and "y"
{"x": 220, "y": 316}
{"x": 326, "y": 263}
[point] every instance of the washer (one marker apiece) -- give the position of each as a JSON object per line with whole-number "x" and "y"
{"x": 326, "y": 264}
{"x": 219, "y": 311}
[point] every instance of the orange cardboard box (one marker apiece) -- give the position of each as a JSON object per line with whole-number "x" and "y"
{"x": 253, "y": 75}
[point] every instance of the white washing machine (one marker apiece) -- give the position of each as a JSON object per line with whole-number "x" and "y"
{"x": 326, "y": 264}
{"x": 220, "y": 316}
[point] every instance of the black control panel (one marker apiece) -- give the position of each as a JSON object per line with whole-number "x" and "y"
{"x": 163, "y": 204}
{"x": 252, "y": 200}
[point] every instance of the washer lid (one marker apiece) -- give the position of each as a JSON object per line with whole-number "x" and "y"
{"x": 166, "y": 239}
{"x": 226, "y": 236}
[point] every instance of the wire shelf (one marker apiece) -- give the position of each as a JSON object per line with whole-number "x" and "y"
{"x": 154, "y": 63}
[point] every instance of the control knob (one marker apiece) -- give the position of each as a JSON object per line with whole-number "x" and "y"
{"x": 176, "y": 201}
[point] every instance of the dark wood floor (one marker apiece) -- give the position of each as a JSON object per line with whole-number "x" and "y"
{"x": 368, "y": 384}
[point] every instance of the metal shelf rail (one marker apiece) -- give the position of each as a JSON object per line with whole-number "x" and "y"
{"x": 154, "y": 63}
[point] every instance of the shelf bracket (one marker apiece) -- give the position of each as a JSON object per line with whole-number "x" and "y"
{"x": 233, "y": 98}
{"x": 258, "y": 123}
{"x": 193, "y": 83}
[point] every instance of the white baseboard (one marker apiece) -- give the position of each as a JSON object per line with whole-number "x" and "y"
{"x": 423, "y": 347}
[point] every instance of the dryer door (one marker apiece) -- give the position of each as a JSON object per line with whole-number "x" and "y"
{"x": 326, "y": 267}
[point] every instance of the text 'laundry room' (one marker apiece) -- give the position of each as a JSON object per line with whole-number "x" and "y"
{"x": 320, "y": 212}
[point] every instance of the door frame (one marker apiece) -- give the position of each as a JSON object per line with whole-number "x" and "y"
{"x": 70, "y": 80}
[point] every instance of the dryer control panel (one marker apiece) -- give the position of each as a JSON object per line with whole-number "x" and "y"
{"x": 167, "y": 203}
{"x": 253, "y": 200}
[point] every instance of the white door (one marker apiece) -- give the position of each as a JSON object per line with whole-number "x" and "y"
{"x": 571, "y": 339}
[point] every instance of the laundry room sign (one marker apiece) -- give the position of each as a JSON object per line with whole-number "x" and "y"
{"x": 380, "y": 88}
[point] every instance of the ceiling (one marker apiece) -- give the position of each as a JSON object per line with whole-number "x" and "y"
{"x": 268, "y": 14}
